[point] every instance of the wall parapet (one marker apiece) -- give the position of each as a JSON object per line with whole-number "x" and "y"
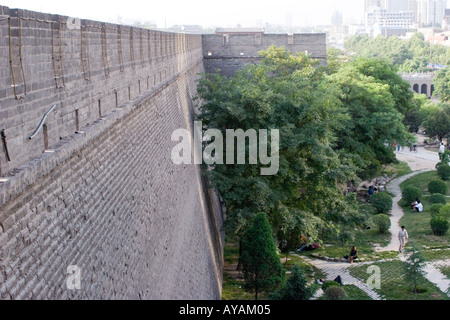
{"x": 87, "y": 68}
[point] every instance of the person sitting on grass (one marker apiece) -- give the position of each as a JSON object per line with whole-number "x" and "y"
{"x": 418, "y": 207}
{"x": 353, "y": 254}
{"x": 338, "y": 279}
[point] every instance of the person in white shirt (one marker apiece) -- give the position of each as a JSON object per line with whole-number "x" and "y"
{"x": 419, "y": 206}
{"x": 441, "y": 150}
{"x": 402, "y": 237}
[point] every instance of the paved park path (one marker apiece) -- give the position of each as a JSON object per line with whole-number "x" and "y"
{"x": 421, "y": 161}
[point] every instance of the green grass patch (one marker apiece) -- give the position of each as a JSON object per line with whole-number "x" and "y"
{"x": 418, "y": 224}
{"x": 400, "y": 168}
{"x": 446, "y": 271}
{"x": 393, "y": 285}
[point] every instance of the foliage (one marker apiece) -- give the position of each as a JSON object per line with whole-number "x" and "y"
{"x": 434, "y": 209}
{"x": 383, "y": 222}
{"x": 375, "y": 121}
{"x": 411, "y": 55}
{"x": 261, "y": 265}
{"x": 335, "y": 293}
{"x": 442, "y": 85}
{"x": 410, "y": 194}
{"x": 328, "y": 284}
{"x": 289, "y": 93}
{"x": 296, "y": 287}
{"x": 437, "y": 186}
{"x": 439, "y": 225}
{"x": 437, "y": 198}
{"x": 382, "y": 201}
{"x": 445, "y": 211}
{"x": 437, "y": 122}
{"x": 415, "y": 115}
{"x": 414, "y": 265}
{"x": 443, "y": 170}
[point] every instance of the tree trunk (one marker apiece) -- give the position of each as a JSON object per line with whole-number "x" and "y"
{"x": 239, "y": 265}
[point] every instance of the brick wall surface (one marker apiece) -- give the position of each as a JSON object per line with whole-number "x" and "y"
{"x": 231, "y": 52}
{"x": 95, "y": 187}
{"x": 107, "y": 199}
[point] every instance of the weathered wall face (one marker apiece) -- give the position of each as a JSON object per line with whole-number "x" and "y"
{"x": 231, "y": 52}
{"x": 108, "y": 199}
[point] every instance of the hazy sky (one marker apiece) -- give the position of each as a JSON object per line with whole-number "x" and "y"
{"x": 207, "y": 13}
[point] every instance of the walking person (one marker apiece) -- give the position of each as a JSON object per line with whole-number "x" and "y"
{"x": 402, "y": 237}
{"x": 441, "y": 150}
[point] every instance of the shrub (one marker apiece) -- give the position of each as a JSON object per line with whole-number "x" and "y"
{"x": 439, "y": 225}
{"x": 383, "y": 222}
{"x": 335, "y": 293}
{"x": 434, "y": 208}
{"x": 328, "y": 284}
{"x": 382, "y": 201}
{"x": 410, "y": 194}
{"x": 437, "y": 186}
{"x": 443, "y": 170}
{"x": 444, "y": 211}
{"x": 437, "y": 198}
{"x": 295, "y": 288}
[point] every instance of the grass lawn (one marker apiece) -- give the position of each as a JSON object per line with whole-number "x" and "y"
{"x": 353, "y": 293}
{"x": 233, "y": 284}
{"x": 393, "y": 285}
{"x": 418, "y": 224}
{"x": 399, "y": 169}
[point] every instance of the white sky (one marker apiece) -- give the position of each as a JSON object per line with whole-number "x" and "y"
{"x": 225, "y": 13}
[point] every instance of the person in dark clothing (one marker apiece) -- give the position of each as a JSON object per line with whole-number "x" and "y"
{"x": 338, "y": 279}
{"x": 353, "y": 254}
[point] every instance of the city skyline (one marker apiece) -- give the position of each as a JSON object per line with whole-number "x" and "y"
{"x": 201, "y": 12}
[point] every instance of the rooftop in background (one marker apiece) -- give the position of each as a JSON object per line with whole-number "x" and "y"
{"x": 239, "y": 30}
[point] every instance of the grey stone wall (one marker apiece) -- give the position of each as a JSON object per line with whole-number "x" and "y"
{"x": 107, "y": 199}
{"x": 232, "y": 52}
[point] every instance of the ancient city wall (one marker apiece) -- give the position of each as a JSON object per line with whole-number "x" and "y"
{"x": 231, "y": 52}
{"x": 95, "y": 186}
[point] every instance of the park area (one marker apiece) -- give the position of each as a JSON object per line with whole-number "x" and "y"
{"x": 381, "y": 272}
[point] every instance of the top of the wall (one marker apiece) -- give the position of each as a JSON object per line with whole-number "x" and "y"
{"x": 248, "y": 45}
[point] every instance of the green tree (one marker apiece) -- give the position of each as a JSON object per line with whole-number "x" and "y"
{"x": 296, "y": 287}
{"x": 261, "y": 265}
{"x": 437, "y": 123}
{"x": 374, "y": 122}
{"x": 290, "y": 93}
{"x": 414, "y": 266}
{"x": 442, "y": 85}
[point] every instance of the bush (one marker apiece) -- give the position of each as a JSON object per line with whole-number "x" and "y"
{"x": 434, "y": 208}
{"x": 444, "y": 211}
{"x": 437, "y": 198}
{"x": 410, "y": 194}
{"x": 295, "y": 288}
{"x": 382, "y": 201}
{"x": 443, "y": 170}
{"x": 437, "y": 186}
{"x": 439, "y": 225}
{"x": 328, "y": 284}
{"x": 335, "y": 293}
{"x": 383, "y": 222}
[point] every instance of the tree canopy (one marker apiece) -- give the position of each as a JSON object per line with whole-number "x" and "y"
{"x": 336, "y": 124}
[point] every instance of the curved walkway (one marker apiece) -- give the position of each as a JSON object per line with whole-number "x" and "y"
{"x": 397, "y": 211}
{"x": 421, "y": 161}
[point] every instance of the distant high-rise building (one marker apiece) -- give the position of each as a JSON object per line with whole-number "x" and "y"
{"x": 396, "y": 5}
{"x": 430, "y": 12}
{"x": 337, "y": 19}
